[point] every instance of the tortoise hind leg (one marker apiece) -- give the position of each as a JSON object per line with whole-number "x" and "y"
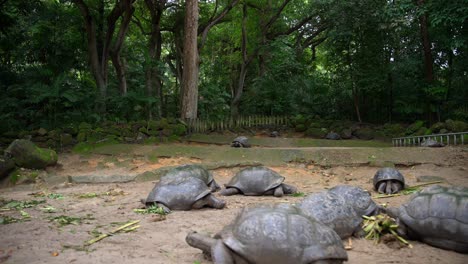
{"x": 210, "y": 201}
{"x": 223, "y": 255}
{"x": 229, "y": 191}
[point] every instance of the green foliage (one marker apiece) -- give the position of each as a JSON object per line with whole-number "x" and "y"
{"x": 367, "y": 57}
{"x": 316, "y": 132}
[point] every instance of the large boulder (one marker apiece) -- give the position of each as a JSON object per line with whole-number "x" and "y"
{"x": 364, "y": 133}
{"x": 6, "y": 166}
{"x": 27, "y": 155}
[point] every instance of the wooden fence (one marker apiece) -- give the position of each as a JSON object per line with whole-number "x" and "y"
{"x": 201, "y": 126}
{"x": 447, "y": 139}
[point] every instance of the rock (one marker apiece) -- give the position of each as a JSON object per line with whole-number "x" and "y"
{"x": 100, "y": 178}
{"x": 66, "y": 139}
{"x": 427, "y": 178}
{"x": 346, "y": 134}
{"x": 364, "y": 133}
{"x": 333, "y": 136}
{"x": 414, "y": 127}
{"x": 42, "y": 131}
{"x": 27, "y": 155}
{"x": 6, "y": 166}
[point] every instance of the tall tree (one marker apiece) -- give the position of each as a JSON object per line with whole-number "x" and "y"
{"x": 100, "y": 44}
{"x": 190, "y": 74}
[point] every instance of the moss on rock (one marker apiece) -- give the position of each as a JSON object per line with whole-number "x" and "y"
{"x": 27, "y": 155}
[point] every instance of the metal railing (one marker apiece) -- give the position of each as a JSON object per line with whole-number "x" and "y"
{"x": 447, "y": 139}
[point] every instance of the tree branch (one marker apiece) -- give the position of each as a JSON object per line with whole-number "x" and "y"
{"x": 215, "y": 20}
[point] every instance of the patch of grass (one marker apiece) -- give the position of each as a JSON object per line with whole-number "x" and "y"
{"x": 150, "y": 210}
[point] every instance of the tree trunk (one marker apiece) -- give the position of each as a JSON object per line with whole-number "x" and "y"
{"x": 243, "y": 71}
{"x": 428, "y": 61}
{"x": 153, "y": 79}
{"x": 99, "y": 45}
{"x": 190, "y": 73}
{"x": 118, "y": 63}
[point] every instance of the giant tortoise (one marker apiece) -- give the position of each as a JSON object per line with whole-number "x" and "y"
{"x": 182, "y": 193}
{"x": 240, "y": 142}
{"x": 436, "y": 215}
{"x": 272, "y": 234}
{"x": 192, "y": 170}
{"x": 258, "y": 180}
{"x": 358, "y": 198}
{"x": 333, "y": 211}
{"x": 388, "y": 181}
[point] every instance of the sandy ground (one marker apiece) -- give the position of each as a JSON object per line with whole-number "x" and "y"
{"x": 157, "y": 240}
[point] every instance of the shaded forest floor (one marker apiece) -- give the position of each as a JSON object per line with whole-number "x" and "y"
{"x": 85, "y": 210}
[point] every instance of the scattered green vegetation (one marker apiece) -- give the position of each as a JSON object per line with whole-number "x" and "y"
{"x": 64, "y": 220}
{"x": 88, "y": 195}
{"x": 150, "y": 210}
{"x": 18, "y": 205}
{"x": 48, "y": 209}
{"x": 56, "y": 196}
{"x": 298, "y": 194}
{"x": 4, "y": 220}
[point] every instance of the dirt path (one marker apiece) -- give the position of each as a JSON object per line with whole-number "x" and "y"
{"x": 41, "y": 240}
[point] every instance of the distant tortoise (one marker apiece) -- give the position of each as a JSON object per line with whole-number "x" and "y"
{"x": 272, "y": 234}
{"x": 430, "y": 143}
{"x": 274, "y": 134}
{"x": 258, "y": 181}
{"x": 240, "y": 142}
{"x": 193, "y": 170}
{"x": 358, "y": 198}
{"x": 333, "y": 211}
{"x": 437, "y": 216}
{"x": 388, "y": 181}
{"x": 182, "y": 193}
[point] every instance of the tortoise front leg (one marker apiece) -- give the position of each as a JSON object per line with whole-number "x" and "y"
{"x": 382, "y": 186}
{"x": 229, "y": 191}
{"x": 214, "y": 186}
{"x": 396, "y": 186}
{"x": 278, "y": 191}
{"x": 288, "y": 189}
{"x": 210, "y": 201}
{"x": 203, "y": 242}
{"x": 221, "y": 254}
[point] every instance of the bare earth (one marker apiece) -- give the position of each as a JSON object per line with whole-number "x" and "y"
{"x": 163, "y": 241}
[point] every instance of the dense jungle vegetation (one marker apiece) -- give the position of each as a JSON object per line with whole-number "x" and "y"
{"x": 371, "y": 61}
